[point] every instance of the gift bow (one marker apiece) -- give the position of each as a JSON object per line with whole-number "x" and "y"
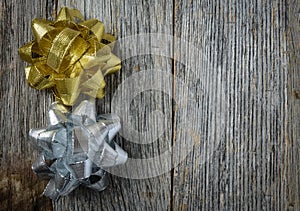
{"x": 75, "y": 148}
{"x": 69, "y": 57}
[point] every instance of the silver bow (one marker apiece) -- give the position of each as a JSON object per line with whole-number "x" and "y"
{"x": 75, "y": 148}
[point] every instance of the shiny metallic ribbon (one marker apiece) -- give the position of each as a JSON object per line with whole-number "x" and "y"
{"x": 69, "y": 55}
{"x": 75, "y": 148}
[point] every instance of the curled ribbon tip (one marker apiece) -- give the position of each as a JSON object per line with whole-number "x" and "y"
{"x": 75, "y": 148}
{"x": 63, "y": 56}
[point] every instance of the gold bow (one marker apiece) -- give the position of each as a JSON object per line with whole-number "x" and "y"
{"x": 66, "y": 57}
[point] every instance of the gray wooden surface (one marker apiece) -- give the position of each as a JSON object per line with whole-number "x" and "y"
{"x": 245, "y": 83}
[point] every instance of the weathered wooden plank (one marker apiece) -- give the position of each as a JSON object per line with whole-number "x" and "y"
{"x": 293, "y": 153}
{"x": 22, "y": 108}
{"x": 243, "y": 106}
{"x": 124, "y": 19}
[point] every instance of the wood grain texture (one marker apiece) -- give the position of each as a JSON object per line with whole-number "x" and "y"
{"x": 241, "y": 88}
{"x": 293, "y": 137}
{"x": 245, "y": 43}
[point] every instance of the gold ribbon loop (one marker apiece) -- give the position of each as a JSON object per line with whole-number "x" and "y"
{"x": 61, "y": 44}
{"x": 63, "y": 56}
{"x": 96, "y": 27}
{"x": 40, "y": 28}
{"x": 66, "y": 14}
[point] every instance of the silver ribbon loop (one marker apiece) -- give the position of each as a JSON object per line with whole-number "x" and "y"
{"x": 75, "y": 147}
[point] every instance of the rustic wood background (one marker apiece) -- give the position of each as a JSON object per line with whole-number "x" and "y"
{"x": 254, "y": 52}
